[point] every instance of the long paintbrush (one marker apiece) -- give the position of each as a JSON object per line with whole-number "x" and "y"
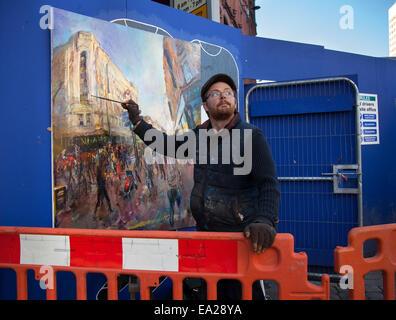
{"x": 107, "y": 99}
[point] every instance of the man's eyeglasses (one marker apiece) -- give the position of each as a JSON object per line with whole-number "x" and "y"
{"x": 217, "y": 94}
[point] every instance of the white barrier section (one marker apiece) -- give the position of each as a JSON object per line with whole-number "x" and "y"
{"x": 51, "y": 250}
{"x": 150, "y": 254}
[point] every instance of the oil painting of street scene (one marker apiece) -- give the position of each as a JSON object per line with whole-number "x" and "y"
{"x": 100, "y": 176}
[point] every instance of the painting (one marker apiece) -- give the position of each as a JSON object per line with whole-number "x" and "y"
{"x": 100, "y": 177}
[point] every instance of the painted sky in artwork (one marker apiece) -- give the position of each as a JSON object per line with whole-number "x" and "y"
{"x": 138, "y": 55}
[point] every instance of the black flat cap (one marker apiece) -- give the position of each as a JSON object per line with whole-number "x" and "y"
{"x": 220, "y": 77}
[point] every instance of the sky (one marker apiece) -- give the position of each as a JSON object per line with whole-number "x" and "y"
{"x": 320, "y": 22}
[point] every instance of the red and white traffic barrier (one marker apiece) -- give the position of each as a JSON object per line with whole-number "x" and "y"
{"x": 214, "y": 256}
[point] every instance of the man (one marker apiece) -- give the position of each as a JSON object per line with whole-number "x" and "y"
{"x": 101, "y": 185}
{"x": 173, "y": 180}
{"x": 220, "y": 199}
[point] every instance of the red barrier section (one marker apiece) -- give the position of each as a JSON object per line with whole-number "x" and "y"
{"x": 149, "y": 255}
{"x": 9, "y": 248}
{"x": 351, "y": 258}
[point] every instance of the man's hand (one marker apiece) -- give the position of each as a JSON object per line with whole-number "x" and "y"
{"x": 261, "y": 234}
{"x": 133, "y": 111}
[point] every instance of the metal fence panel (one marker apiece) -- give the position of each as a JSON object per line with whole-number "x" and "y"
{"x": 312, "y": 129}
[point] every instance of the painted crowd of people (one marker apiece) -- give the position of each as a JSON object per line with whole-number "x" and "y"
{"x": 113, "y": 184}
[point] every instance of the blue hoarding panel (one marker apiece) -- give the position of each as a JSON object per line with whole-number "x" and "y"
{"x": 25, "y": 155}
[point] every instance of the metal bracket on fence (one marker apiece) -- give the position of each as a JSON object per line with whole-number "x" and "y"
{"x": 344, "y": 177}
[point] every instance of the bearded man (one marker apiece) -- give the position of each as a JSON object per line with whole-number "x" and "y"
{"x": 221, "y": 200}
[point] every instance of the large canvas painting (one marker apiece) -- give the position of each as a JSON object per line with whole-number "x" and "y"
{"x": 100, "y": 176}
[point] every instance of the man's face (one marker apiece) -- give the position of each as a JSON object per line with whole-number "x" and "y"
{"x": 220, "y": 103}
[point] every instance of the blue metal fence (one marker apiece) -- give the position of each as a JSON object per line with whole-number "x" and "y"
{"x": 311, "y": 128}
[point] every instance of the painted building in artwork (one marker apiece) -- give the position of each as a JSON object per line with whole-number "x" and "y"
{"x": 80, "y": 69}
{"x": 182, "y": 81}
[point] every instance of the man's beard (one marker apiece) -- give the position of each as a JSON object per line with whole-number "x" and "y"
{"x": 220, "y": 114}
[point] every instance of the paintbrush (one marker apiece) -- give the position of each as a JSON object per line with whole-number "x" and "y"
{"x": 107, "y": 99}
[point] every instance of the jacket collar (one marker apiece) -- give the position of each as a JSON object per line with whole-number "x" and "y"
{"x": 233, "y": 122}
